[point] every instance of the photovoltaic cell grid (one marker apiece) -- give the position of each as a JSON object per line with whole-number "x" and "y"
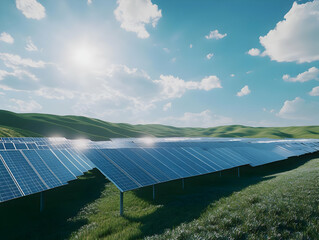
{"x": 31, "y": 165}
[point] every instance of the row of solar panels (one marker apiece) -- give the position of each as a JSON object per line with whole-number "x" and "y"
{"x": 131, "y": 168}
{"x": 27, "y": 168}
{"x": 24, "y": 172}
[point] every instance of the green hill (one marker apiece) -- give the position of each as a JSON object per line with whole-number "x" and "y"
{"x": 33, "y": 124}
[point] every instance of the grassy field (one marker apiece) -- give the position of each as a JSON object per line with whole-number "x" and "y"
{"x": 32, "y": 124}
{"x": 278, "y": 201}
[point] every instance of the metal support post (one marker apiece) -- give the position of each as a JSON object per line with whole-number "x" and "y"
{"x": 153, "y": 192}
{"x": 238, "y": 172}
{"x": 183, "y": 185}
{"x": 121, "y": 203}
{"x": 220, "y": 173}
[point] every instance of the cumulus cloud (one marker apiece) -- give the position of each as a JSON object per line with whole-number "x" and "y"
{"x": 30, "y": 45}
{"x": 310, "y": 74}
{"x": 232, "y": 75}
{"x": 174, "y": 87}
{"x": 89, "y": 2}
{"x": 209, "y": 55}
{"x": 314, "y": 91}
{"x": 24, "y": 106}
{"x": 215, "y": 35}
{"x": 296, "y": 38}
{"x": 31, "y": 9}
{"x": 135, "y": 14}
{"x": 167, "y": 106}
{"x": 244, "y": 91}
{"x": 299, "y": 109}
{"x": 12, "y": 61}
{"x": 166, "y": 50}
{"x": 6, "y": 37}
{"x": 190, "y": 45}
{"x": 254, "y": 52}
{"x": 202, "y": 119}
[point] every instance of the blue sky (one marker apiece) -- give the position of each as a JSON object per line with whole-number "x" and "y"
{"x": 183, "y": 63}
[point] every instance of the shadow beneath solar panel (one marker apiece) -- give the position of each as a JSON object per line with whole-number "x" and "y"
{"x": 21, "y": 218}
{"x": 176, "y": 206}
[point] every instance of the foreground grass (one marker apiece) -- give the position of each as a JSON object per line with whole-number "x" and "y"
{"x": 275, "y": 201}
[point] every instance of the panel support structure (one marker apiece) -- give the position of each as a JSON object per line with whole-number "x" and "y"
{"x": 41, "y": 202}
{"x": 183, "y": 185}
{"x": 121, "y": 204}
{"x": 220, "y": 173}
{"x": 238, "y": 173}
{"x": 153, "y": 192}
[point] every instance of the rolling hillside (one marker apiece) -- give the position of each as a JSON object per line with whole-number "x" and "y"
{"x": 33, "y": 124}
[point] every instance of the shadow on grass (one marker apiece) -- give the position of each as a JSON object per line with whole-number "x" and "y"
{"x": 181, "y": 206}
{"x": 21, "y": 218}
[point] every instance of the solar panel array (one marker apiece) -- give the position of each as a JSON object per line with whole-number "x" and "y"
{"x": 31, "y": 165}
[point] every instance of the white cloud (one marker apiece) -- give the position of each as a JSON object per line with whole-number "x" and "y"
{"x": 166, "y": 50}
{"x": 295, "y": 39}
{"x": 135, "y": 14}
{"x": 202, "y": 119}
{"x": 6, "y": 37}
{"x": 89, "y": 2}
{"x": 190, "y": 45}
{"x": 209, "y": 55}
{"x": 249, "y": 72}
{"x": 173, "y": 60}
{"x": 30, "y": 45}
{"x": 167, "y": 106}
{"x": 215, "y": 35}
{"x": 31, "y": 9}
{"x": 314, "y": 91}
{"x": 232, "y": 75}
{"x": 299, "y": 109}
{"x": 12, "y": 61}
{"x": 310, "y": 74}
{"x": 18, "y": 73}
{"x": 174, "y": 87}
{"x": 55, "y": 93}
{"x": 244, "y": 91}
{"x": 24, "y": 106}
{"x": 254, "y": 52}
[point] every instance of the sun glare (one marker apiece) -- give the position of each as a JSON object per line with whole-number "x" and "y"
{"x": 83, "y": 56}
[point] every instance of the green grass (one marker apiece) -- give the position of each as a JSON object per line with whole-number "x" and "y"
{"x": 32, "y": 124}
{"x": 269, "y": 202}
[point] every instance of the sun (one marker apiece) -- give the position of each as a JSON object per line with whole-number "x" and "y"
{"x": 83, "y": 55}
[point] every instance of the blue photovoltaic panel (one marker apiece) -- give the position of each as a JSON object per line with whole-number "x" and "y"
{"x": 80, "y": 158}
{"x": 74, "y": 159}
{"x": 32, "y": 146}
{"x": 48, "y": 177}
{"x": 8, "y": 189}
{"x": 129, "y": 167}
{"x": 9, "y": 146}
{"x": 1, "y": 146}
{"x": 67, "y": 162}
{"x": 20, "y": 146}
{"x": 145, "y": 154}
{"x": 160, "y": 155}
{"x": 113, "y": 173}
{"x": 56, "y": 166}
{"x": 146, "y": 165}
{"x": 26, "y": 177}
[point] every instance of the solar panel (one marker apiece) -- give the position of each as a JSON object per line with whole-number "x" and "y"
{"x": 30, "y": 165}
{"x": 42, "y": 168}
{"x": 56, "y": 166}
{"x": 8, "y": 188}
{"x": 26, "y": 177}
